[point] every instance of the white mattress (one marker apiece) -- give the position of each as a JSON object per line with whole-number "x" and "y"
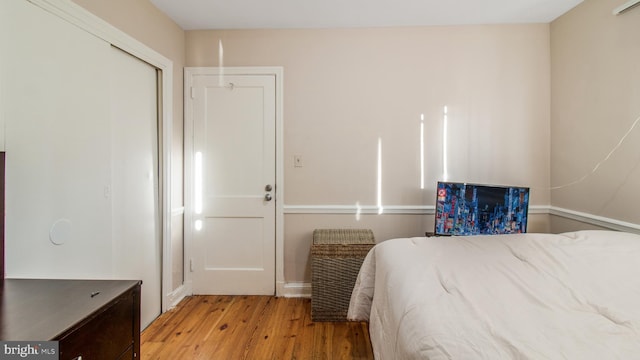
{"x": 526, "y": 296}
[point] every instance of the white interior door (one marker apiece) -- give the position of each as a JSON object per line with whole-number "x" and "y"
{"x": 234, "y": 184}
{"x": 137, "y": 249}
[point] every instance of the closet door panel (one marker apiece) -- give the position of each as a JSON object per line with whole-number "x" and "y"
{"x": 137, "y": 245}
{"x": 56, "y": 110}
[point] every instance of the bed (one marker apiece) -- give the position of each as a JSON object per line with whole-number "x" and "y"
{"x": 527, "y": 296}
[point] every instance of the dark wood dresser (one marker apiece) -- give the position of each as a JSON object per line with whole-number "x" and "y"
{"x": 91, "y": 319}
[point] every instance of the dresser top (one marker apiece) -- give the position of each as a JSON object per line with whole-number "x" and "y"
{"x": 42, "y": 309}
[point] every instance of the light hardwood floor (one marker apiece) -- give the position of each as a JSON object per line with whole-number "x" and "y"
{"x": 251, "y": 327}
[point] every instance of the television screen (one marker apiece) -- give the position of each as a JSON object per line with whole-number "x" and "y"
{"x": 474, "y": 209}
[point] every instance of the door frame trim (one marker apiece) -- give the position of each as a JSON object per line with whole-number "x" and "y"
{"x": 85, "y": 20}
{"x": 189, "y": 72}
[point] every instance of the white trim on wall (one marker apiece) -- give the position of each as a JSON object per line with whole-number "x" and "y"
{"x": 80, "y": 17}
{"x": 601, "y": 221}
{"x": 296, "y": 290}
{"x": 174, "y": 297}
{"x": 373, "y": 209}
{"x": 597, "y": 220}
{"x": 357, "y": 209}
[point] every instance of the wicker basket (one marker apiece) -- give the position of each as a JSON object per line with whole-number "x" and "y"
{"x": 336, "y": 257}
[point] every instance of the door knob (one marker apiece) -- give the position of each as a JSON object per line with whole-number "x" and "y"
{"x": 268, "y": 188}
{"x": 267, "y": 197}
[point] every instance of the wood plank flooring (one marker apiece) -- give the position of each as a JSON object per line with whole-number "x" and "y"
{"x": 251, "y": 327}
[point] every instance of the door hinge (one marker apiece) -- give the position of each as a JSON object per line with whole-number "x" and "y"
{"x": 193, "y": 92}
{"x": 191, "y": 265}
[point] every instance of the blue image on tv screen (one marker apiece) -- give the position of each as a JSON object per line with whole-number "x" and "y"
{"x": 474, "y": 209}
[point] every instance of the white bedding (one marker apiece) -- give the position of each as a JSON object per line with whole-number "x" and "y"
{"x": 527, "y": 296}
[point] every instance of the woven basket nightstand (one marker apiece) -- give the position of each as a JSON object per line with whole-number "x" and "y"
{"x": 336, "y": 257}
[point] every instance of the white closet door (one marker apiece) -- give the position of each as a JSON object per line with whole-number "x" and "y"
{"x": 81, "y": 135}
{"x": 54, "y": 89}
{"x": 134, "y": 190}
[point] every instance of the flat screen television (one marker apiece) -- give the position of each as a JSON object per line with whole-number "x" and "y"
{"x": 476, "y": 209}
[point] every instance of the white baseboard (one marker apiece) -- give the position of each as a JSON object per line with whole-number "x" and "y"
{"x": 174, "y": 297}
{"x": 296, "y": 290}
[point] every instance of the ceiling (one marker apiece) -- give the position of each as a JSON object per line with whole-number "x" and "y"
{"x": 280, "y": 14}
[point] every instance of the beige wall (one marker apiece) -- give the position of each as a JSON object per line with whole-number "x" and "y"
{"x": 347, "y": 89}
{"x": 144, "y": 22}
{"x": 595, "y": 90}
{"x": 561, "y": 224}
